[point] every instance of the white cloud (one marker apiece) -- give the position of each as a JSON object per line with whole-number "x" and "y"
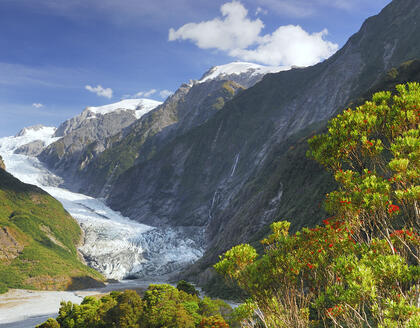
{"x": 142, "y": 94}
{"x": 234, "y": 30}
{"x": 165, "y": 94}
{"x": 240, "y": 37}
{"x": 37, "y": 105}
{"x": 100, "y": 91}
{"x": 289, "y": 45}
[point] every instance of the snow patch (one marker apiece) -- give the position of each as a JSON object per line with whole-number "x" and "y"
{"x": 140, "y": 106}
{"x": 237, "y": 68}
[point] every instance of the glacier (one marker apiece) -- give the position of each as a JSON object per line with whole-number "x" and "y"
{"x": 112, "y": 244}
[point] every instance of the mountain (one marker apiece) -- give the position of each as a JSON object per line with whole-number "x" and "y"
{"x": 190, "y": 106}
{"x": 94, "y": 124}
{"x": 245, "y": 74}
{"x": 38, "y": 241}
{"x": 219, "y": 176}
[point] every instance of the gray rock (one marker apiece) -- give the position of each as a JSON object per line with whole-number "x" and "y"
{"x": 33, "y": 148}
{"x": 78, "y": 133}
{"x": 2, "y": 166}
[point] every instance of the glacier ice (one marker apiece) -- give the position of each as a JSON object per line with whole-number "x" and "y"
{"x": 113, "y": 244}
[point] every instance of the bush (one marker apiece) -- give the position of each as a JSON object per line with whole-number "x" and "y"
{"x": 187, "y": 287}
{"x": 50, "y": 323}
{"x": 361, "y": 267}
{"x": 161, "y": 306}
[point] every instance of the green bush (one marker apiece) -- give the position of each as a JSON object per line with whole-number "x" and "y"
{"x": 187, "y": 287}
{"x": 161, "y": 306}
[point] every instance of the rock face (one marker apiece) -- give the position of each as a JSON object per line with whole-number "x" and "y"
{"x": 2, "y": 166}
{"x": 33, "y": 148}
{"x": 94, "y": 124}
{"x": 9, "y": 246}
{"x": 190, "y": 106}
{"x": 218, "y": 175}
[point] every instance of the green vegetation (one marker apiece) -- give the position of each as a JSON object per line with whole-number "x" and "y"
{"x": 187, "y": 287}
{"x": 38, "y": 241}
{"x": 361, "y": 267}
{"x": 161, "y": 306}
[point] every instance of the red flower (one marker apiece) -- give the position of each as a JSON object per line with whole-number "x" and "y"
{"x": 330, "y": 245}
{"x": 393, "y": 208}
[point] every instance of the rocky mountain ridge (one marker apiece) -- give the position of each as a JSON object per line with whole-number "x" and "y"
{"x": 94, "y": 124}
{"x": 245, "y": 74}
{"x": 91, "y": 163}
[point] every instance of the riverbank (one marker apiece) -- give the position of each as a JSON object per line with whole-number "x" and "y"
{"x": 21, "y": 308}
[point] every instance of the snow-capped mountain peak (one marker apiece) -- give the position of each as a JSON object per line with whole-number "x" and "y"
{"x": 239, "y": 68}
{"x": 140, "y": 106}
{"x": 36, "y": 130}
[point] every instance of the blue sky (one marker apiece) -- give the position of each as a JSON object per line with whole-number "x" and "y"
{"x": 59, "y": 56}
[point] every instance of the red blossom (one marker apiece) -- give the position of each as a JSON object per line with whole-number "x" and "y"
{"x": 393, "y": 208}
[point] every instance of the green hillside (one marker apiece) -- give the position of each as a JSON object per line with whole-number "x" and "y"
{"x": 38, "y": 240}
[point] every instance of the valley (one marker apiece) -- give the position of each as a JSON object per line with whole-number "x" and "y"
{"x": 112, "y": 244}
{"x": 292, "y": 188}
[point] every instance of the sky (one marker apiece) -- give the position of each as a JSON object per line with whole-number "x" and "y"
{"x": 59, "y": 56}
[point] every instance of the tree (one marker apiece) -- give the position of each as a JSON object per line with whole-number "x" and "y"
{"x": 374, "y": 154}
{"x": 50, "y": 323}
{"x": 187, "y": 287}
{"x": 126, "y": 312}
{"x": 361, "y": 267}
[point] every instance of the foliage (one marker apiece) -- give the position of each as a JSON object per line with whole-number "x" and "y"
{"x": 361, "y": 267}
{"x": 187, "y": 287}
{"x": 42, "y": 250}
{"x": 161, "y": 306}
{"x": 50, "y": 323}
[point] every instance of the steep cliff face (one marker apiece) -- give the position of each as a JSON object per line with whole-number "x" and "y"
{"x": 217, "y": 176}
{"x": 191, "y": 105}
